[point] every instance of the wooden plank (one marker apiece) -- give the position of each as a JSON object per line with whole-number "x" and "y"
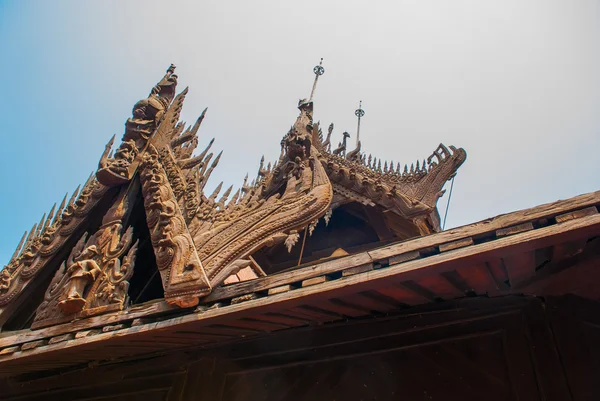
{"x": 258, "y": 325}
{"x": 357, "y": 270}
{"x": 404, "y": 257}
{"x": 490, "y": 225}
{"x": 342, "y": 308}
{"x": 567, "y": 249}
{"x": 155, "y": 308}
{"x": 248, "y": 273}
{"x": 503, "y": 221}
{"x": 566, "y": 275}
{"x": 315, "y": 281}
{"x": 478, "y": 277}
{"x": 231, "y": 280}
{"x": 293, "y": 276}
{"x": 457, "y": 282}
{"x": 313, "y": 314}
{"x": 403, "y": 295}
{"x": 280, "y": 290}
{"x": 520, "y": 267}
{"x": 570, "y": 230}
{"x": 439, "y": 286}
{"x": 280, "y": 319}
{"x": 577, "y": 214}
{"x": 461, "y": 243}
{"x": 519, "y": 228}
{"x": 498, "y": 272}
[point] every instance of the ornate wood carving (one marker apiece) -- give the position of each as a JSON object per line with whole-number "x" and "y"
{"x": 147, "y": 116}
{"x": 93, "y": 279}
{"x": 183, "y": 276}
{"x": 200, "y": 240}
{"x": 46, "y": 238}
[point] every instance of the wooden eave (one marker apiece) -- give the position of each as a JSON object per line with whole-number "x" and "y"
{"x": 551, "y": 249}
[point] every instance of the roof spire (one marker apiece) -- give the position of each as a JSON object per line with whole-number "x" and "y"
{"x": 358, "y": 113}
{"x": 318, "y": 70}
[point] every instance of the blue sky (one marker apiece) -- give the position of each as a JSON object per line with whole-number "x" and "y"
{"x": 515, "y": 83}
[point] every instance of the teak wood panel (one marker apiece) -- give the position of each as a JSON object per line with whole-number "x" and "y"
{"x": 378, "y": 291}
{"x": 495, "y": 349}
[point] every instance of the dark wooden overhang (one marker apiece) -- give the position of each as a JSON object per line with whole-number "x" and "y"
{"x": 551, "y": 249}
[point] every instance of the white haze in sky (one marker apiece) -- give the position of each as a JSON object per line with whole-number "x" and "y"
{"x": 516, "y": 83}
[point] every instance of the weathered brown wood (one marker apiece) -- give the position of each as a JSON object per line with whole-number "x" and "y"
{"x": 489, "y": 225}
{"x": 356, "y": 270}
{"x": 371, "y": 280}
{"x": 280, "y": 319}
{"x": 292, "y": 276}
{"x": 478, "y": 277}
{"x": 315, "y": 280}
{"x": 546, "y": 361}
{"x": 498, "y": 272}
{"x": 403, "y": 295}
{"x": 342, "y": 308}
{"x": 577, "y": 214}
{"x": 461, "y": 243}
{"x": 59, "y": 339}
{"x": 519, "y": 228}
{"x": 493, "y": 224}
{"x": 405, "y": 257}
{"x": 378, "y": 223}
{"x": 568, "y": 275}
{"x": 520, "y": 267}
{"x": 154, "y": 308}
{"x": 279, "y": 290}
{"x": 567, "y": 249}
{"x": 439, "y": 286}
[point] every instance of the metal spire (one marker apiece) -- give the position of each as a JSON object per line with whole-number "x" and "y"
{"x": 318, "y": 70}
{"x": 358, "y": 113}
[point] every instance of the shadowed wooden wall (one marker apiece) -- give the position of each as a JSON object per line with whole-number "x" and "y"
{"x": 509, "y": 348}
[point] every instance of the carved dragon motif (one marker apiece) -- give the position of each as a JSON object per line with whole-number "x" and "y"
{"x": 200, "y": 240}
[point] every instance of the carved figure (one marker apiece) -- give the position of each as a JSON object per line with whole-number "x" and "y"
{"x": 93, "y": 280}
{"x": 81, "y": 274}
{"x": 147, "y": 115}
{"x": 200, "y": 240}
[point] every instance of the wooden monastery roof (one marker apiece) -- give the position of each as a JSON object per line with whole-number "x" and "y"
{"x": 551, "y": 249}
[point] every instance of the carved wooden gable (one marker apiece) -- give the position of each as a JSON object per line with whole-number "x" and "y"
{"x": 145, "y": 209}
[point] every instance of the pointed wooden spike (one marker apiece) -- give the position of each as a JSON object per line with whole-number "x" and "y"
{"x": 228, "y": 191}
{"x": 217, "y": 160}
{"x": 40, "y": 225}
{"x": 62, "y": 204}
{"x": 50, "y": 217}
{"x": 196, "y": 126}
{"x": 216, "y": 191}
{"x": 18, "y": 250}
{"x": 398, "y": 168}
{"x": 234, "y": 198}
{"x": 31, "y": 235}
{"x": 74, "y": 195}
